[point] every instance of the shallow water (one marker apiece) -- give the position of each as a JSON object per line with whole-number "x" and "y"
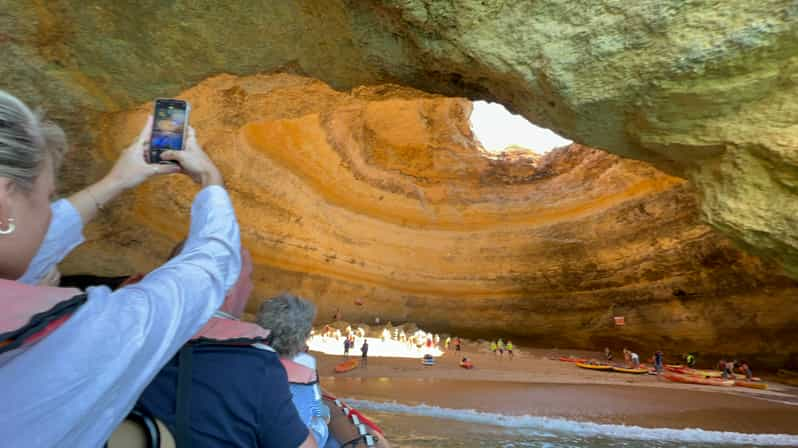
{"x": 421, "y": 426}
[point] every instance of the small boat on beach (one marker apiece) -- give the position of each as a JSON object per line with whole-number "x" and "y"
{"x": 467, "y": 364}
{"x": 638, "y": 371}
{"x": 605, "y": 367}
{"x": 346, "y": 366}
{"x": 751, "y": 384}
{"x": 572, "y": 359}
{"x": 713, "y": 374}
{"x": 428, "y": 360}
{"x": 690, "y": 379}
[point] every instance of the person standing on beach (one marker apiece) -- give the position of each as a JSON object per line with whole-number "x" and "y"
{"x": 744, "y": 368}
{"x": 658, "y": 364}
{"x": 635, "y": 360}
{"x": 727, "y": 368}
{"x": 500, "y": 346}
{"x": 493, "y": 348}
{"x": 510, "y": 349}
{"x": 364, "y": 349}
{"x": 446, "y": 343}
{"x": 457, "y": 344}
{"x": 346, "y": 348}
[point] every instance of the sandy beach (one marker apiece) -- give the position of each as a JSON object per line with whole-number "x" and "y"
{"x": 533, "y": 384}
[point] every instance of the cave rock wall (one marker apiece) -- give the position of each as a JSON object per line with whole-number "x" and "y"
{"x": 378, "y": 202}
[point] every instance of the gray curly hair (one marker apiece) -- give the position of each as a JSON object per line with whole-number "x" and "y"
{"x": 290, "y": 319}
{"x": 26, "y": 140}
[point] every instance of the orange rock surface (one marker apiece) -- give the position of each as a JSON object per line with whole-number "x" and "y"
{"x": 381, "y": 195}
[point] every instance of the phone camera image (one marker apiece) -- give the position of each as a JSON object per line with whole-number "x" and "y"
{"x": 167, "y": 129}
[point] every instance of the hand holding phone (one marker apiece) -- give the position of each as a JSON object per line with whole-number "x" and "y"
{"x": 133, "y": 167}
{"x": 195, "y": 162}
{"x": 169, "y": 128}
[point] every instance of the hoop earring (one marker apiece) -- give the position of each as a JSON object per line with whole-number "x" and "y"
{"x": 10, "y": 229}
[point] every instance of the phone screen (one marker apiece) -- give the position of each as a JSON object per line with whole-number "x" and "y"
{"x": 168, "y": 127}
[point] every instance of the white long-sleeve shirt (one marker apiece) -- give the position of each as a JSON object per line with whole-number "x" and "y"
{"x": 75, "y": 386}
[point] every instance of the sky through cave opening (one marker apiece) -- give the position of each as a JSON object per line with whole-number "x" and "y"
{"x": 497, "y": 129}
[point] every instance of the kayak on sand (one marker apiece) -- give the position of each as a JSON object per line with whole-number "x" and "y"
{"x": 346, "y": 366}
{"x": 638, "y": 371}
{"x": 678, "y": 378}
{"x": 572, "y": 359}
{"x": 751, "y": 384}
{"x": 594, "y": 366}
{"x": 702, "y": 373}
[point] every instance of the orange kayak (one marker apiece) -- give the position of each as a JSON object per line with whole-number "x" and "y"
{"x": 570, "y": 359}
{"x": 346, "y": 366}
{"x": 693, "y": 372}
{"x": 677, "y": 378}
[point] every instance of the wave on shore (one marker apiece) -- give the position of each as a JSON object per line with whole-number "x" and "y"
{"x": 551, "y": 427}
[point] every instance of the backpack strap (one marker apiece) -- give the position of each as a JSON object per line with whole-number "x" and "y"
{"x": 183, "y": 405}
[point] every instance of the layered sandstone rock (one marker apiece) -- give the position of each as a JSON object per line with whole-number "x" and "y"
{"x": 379, "y": 202}
{"x": 703, "y": 90}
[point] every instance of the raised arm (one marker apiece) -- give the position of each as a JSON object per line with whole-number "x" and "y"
{"x": 88, "y": 377}
{"x": 69, "y": 216}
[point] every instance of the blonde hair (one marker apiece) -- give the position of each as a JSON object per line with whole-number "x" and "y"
{"x": 26, "y": 140}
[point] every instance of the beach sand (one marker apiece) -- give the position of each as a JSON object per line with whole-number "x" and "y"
{"x": 532, "y": 384}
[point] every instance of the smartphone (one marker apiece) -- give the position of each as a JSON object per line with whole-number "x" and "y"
{"x": 169, "y": 127}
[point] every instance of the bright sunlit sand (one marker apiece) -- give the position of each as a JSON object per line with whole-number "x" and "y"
{"x": 496, "y": 128}
{"x": 377, "y": 348}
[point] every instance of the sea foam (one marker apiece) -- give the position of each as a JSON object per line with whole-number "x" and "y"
{"x": 549, "y": 426}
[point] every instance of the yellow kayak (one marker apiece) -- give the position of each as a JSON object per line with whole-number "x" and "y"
{"x": 625, "y": 370}
{"x": 707, "y": 373}
{"x": 752, "y": 385}
{"x": 594, "y": 367}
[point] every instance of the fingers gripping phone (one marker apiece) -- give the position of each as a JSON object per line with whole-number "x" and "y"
{"x": 169, "y": 127}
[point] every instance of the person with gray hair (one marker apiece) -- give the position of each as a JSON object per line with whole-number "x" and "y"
{"x": 290, "y": 320}
{"x": 108, "y": 345}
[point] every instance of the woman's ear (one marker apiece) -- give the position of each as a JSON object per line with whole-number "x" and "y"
{"x": 6, "y": 189}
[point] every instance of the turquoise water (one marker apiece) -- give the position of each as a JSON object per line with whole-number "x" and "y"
{"x": 423, "y": 426}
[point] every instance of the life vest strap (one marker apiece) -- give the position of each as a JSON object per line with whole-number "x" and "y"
{"x": 183, "y": 397}
{"x": 38, "y": 322}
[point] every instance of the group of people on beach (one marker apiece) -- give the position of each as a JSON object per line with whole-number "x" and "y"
{"x": 168, "y": 344}
{"x": 727, "y": 368}
{"x": 498, "y": 347}
{"x": 349, "y": 342}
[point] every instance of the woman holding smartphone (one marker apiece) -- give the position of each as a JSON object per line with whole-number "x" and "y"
{"x": 71, "y": 364}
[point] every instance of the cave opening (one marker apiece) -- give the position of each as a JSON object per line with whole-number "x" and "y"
{"x": 499, "y": 130}
{"x": 391, "y": 202}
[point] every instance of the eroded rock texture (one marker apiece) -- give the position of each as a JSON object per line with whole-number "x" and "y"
{"x": 703, "y": 90}
{"x": 381, "y": 196}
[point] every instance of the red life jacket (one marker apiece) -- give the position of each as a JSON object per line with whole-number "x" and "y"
{"x": 299, "y": 374}
{"x": 32, "y": 312}
{"x": 230, "y": 331}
